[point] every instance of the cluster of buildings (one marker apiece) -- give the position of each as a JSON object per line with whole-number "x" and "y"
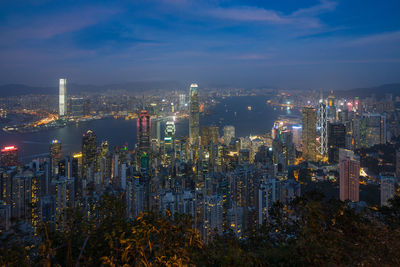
{"x": 222, "y": 181}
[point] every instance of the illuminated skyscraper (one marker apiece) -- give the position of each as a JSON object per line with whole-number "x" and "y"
{"x": 55, "y": 155}
{"x": 309, "y": 133}
{"x": 62, "y": 99}
{"x": 331, "y": 107}
{"x": 169, "y": 142}
{"x": 143, "y": 132}
{"x": 322, "y": 128}
{"x": 349, "y": 175}
{"x": 89, "y": 149}
{"x": 229, "y": 134}
{"x": 9, "y": 156}
{"x": 194, "y": 117}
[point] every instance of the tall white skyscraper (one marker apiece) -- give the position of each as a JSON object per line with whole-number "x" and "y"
{"x": 62, "y": 100}
{"x": 194, "y": 113}
{"x": 322, "y": 124}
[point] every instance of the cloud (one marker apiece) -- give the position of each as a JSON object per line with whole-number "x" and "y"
{"x": 305, "y": 17}
{"x": 56, "y": 24}
{"x": 375, "y": 39}
{"x": 323, "y": 6}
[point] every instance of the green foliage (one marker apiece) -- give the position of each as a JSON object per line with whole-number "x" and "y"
{"x": 308, "y": 231}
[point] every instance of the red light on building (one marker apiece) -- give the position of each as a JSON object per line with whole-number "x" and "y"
{"x": 9, "y": 156}
{"x": 9, "y": 148}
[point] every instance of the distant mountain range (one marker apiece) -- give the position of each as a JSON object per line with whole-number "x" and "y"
{"x": 147, "y": 86}
{"x": 378, "y": 91}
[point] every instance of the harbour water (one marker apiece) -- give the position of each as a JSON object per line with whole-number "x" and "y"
{"x": 230, "y": 111}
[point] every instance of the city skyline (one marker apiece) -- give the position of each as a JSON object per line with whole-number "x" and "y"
{"x": 295, "y": 44}
{"x": 199, "y": 133}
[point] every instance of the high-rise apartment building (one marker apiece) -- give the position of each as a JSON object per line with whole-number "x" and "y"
{"x": 349, "y": 175}
{"x": 62, "y": 98}
{"x": 309, "y": 134}
{"x": 387, "y": 189}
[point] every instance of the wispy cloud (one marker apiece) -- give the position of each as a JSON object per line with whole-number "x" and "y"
{"x": 323, "y": 6}
{"x": 375, "y": 39}
{"x": 305, "y": 17}
{"x": 56, "y": 24}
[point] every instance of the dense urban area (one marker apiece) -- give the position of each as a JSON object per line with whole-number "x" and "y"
{"x": 318, "y": 187}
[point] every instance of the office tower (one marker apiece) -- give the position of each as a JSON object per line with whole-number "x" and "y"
{"x": 194, "y": 117}
{"x": 143, "y": 132}
{"x": 55, "y": 155}
{"x": 169, "y": 138}
{"x": 62, "y": 98}
{"x": 387, "y": 189}
{"x": 349, "y": 175}
{"x": 322, "y": 128}
{"x": 229, "y": 134}
{"x": 309, "y": 135}
{"x": 9, "y": 156}
{"x": 182, "y": 101}
{"x": 336, "y": 140}
{"x": 76, "y": 106}
{"x": 331, "y": 107}
{"x": 373, "y": 129}
{"x": 89, "y": 149}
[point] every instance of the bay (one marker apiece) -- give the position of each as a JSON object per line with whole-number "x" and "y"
{"x": 229, "y": 111}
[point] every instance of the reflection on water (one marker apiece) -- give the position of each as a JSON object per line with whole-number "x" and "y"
{"x": 231, "y": 111}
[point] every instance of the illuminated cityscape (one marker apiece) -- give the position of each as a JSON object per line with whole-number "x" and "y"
{"x": 193, "y": 134}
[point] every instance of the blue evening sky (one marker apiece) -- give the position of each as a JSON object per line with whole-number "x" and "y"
{"x": 330, "y": 44}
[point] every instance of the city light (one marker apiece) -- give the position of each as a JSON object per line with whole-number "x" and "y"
{"x": 9, "y": 148}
